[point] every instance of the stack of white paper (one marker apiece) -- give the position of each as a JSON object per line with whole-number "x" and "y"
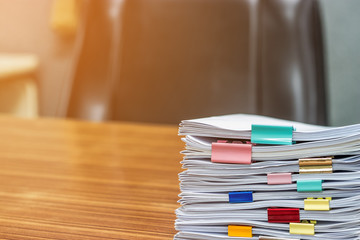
{"x": 317, "y": 196}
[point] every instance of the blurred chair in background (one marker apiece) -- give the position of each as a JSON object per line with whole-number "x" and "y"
{"x": 164, "y": 61}
{"x": 18, "y": 87}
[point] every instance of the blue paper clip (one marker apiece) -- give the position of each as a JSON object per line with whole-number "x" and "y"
{"x": 240, "y": 197}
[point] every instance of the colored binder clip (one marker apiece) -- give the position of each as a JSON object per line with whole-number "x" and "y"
{"x": 240, "y": 197}
{"x": 224, "y": 152}
{"x": 318, "y": 204}
{"x": 263, "y": 134}
{"x": 275, "y": 238}
{"x": 239, "y": 231}
{"x": 309, "y": 185}
{"x": 302, "y": 228}
{"x": 315, "y": 165}
{"x": 283, "y": 215}
{"x": 279, "y": 178}
{"x": 308, "y": 221}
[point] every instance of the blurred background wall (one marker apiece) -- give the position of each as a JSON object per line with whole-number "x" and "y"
{"x": 25, "y": 28}
{"x": 342, "y": 38}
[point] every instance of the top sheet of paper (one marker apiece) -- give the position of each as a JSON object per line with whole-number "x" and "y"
{"x": 243, "y": 122}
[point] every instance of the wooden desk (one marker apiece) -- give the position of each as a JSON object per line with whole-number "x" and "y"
{"x": 63, "y": 179}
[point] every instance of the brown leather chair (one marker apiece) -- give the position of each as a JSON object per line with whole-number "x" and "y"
{"x": 168, "y": 60}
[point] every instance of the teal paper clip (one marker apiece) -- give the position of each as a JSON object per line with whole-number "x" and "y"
{"x": 263, "y": 134}
{"x": 309, "y": 185}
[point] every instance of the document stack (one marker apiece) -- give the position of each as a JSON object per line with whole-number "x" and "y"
{"x": 256, "y": 177}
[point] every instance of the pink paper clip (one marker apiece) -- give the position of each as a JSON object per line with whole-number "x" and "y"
{"x": 223, "y": 152}
{"x": 279, "y": 178}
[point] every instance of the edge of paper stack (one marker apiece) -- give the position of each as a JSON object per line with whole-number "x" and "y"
{"x": 255, "y": 177}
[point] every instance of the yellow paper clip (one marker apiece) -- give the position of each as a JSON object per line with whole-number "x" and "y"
{"x": 309, "y": 221}
{"x": 319, "y": 204}
{"x": 302, "y": 228}
{"x": 239, "y": 231}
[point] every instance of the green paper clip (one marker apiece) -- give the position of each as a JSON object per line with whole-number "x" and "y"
{"x": 309, "y": 185}
{"x": 263, "y": 134}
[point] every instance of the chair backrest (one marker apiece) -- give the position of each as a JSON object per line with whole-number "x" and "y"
{"x": 183, "y": 59}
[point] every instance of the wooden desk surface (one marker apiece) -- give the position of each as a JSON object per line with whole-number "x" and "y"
{"x": 63, "y": 179}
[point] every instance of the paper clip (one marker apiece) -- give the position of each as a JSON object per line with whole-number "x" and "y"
{"x": 318, "y": 204}
{"x": 308, "y": 221}
{"x": 283, "y": 215}
{"x": 239, "y": 231}
{"x": 280, "y": 135}
{"x": 279, "y": 178}
{"x": 275, "y": 238}
{"x": 315, "y": 165}
{"x": 302, "y": 228}
{"x": 309, "y": 185}
{"x": 316, "y": 161}
{"x": 236, "y": 152}
{"x": 240, "y": 197}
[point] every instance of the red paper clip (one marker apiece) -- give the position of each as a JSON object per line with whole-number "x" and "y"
{"x": 283, "y": 215}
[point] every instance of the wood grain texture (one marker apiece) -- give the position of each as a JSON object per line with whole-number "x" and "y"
{"x": 62, "y": 179}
